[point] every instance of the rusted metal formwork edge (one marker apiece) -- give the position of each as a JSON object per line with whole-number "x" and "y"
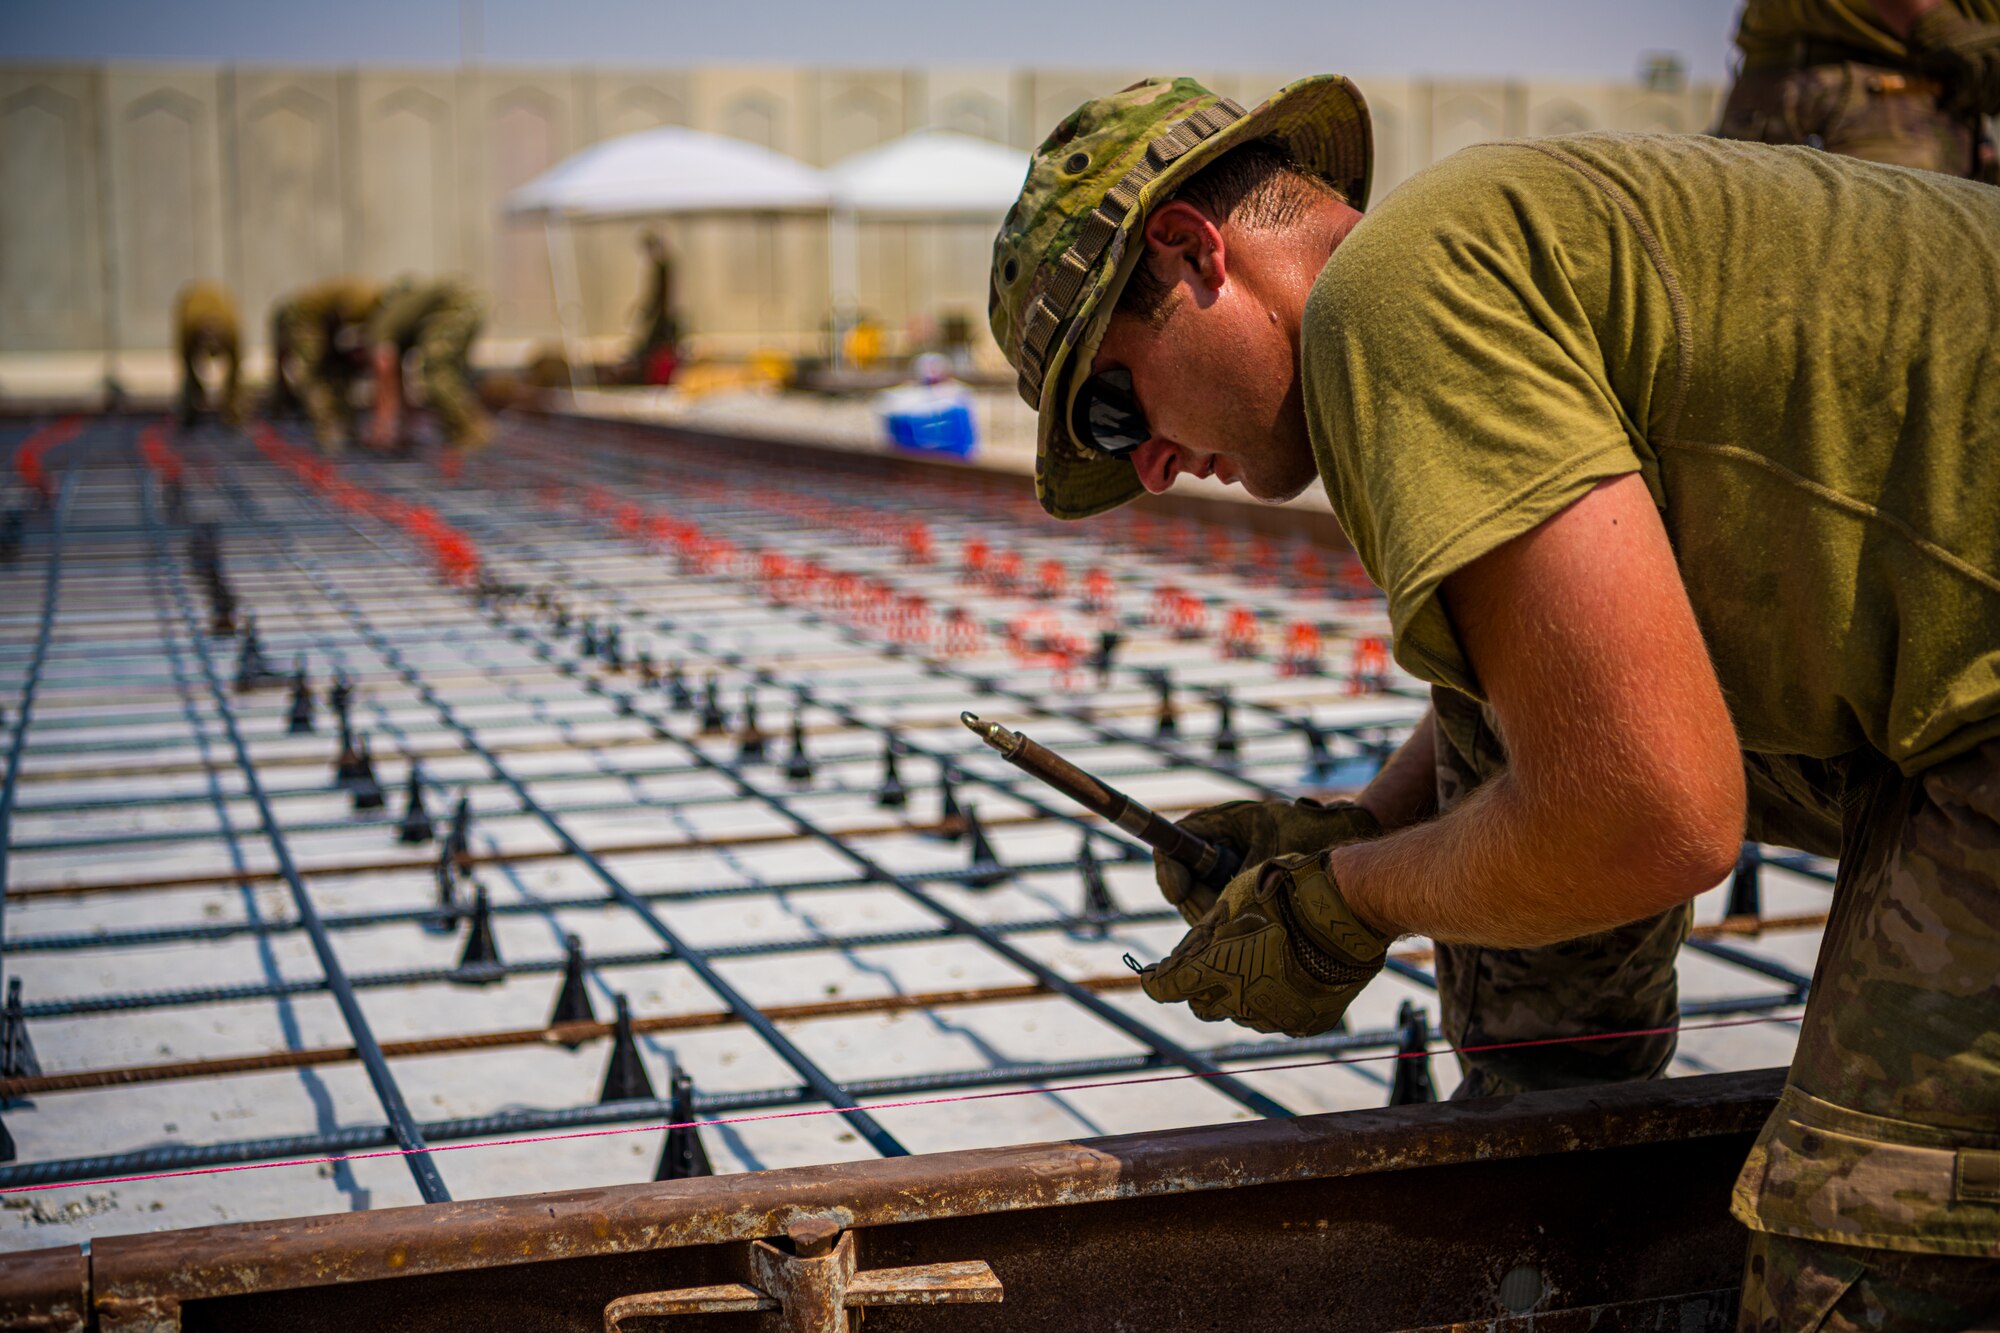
{"x": 1605, "y": 1155}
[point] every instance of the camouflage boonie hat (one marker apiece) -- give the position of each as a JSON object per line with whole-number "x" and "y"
{"x": 1065, "y": 250}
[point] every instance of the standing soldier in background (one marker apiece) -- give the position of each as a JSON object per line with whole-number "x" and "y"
{"x": 206, "y": 330}
{"x": 1907, "y": 82}
{"x": 659, "y": 334}
{"x": 319, "y": 350}
{"x": 438, "y": 320}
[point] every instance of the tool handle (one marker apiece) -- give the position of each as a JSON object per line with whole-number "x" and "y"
{"x": 1213, "y": 863}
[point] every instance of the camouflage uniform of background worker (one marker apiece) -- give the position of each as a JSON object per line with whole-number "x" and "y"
{"x": 437, "y": 320}
{"x": 319, "y": 353}
{"x": 1907, "y": 82}
{"x": 1691, "y": 555}
{"x": 206, "y": 331}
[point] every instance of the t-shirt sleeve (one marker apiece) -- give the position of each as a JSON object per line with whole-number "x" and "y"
{"x": 1455, "y": 381}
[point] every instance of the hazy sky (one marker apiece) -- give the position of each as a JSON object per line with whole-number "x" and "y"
{"x": 1573, "y": 38}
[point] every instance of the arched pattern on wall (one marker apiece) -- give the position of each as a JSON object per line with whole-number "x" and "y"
{"x": 750, "y": 247}
{"x": 1560, "y": 116}
{"x": 43, "y": 203}
{"x": 159, "y": 207}
{"x": 976, "y": 114}
{"x": 269, "y": 177}
{"x": 1654, "y": 115}
{"x": 527, "y": 140}
{"x": 857, "y": 120}
{"x": 291, "y": 206}
{"x": 409, "y": 187}
{"x": 756, "y": 119}
{"x": 643, "y": 108}
{"x": 1460, "y": 122}
{"x": 1392, "y": 157}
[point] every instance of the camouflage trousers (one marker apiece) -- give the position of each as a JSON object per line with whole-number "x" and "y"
{"x": 1807, "y": 1286}
{"x": 1864, "y": 111}
{"x": 444, "y": 350}
{"x": 1876, "y": 1184}
{"x": 324, "y": 384}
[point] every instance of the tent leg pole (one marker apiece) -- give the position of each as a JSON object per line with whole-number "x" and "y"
{"x": 562, "y": 286}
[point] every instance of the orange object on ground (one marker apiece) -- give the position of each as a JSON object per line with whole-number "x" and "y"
{"x": 1239, "y": 633}
{"x": 1370, "y": 670}
{"x": 1303, "y": 650}
{"x": 1051, "y": 579}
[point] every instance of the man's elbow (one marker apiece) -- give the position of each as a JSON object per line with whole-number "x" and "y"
{"x": 1686, "y": 844}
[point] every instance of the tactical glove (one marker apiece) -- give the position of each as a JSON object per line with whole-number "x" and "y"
{"x": 1963, "y": 54}
{"x": 1281, "y": 951}
{"x": 1258, "y": 831}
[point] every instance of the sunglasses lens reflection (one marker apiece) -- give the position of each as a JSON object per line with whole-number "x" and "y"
{"x": 1107, "y": 416}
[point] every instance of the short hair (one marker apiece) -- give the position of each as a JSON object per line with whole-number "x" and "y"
{"x": 1257, "y": 185}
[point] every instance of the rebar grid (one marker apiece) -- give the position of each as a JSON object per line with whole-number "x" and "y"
{"x": 489, "y": 693}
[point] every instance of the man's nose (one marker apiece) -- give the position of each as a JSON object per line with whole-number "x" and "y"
{"x": 1158, "y": 462}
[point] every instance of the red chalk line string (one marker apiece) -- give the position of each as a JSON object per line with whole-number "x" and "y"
{"x": 892, "y": 1106}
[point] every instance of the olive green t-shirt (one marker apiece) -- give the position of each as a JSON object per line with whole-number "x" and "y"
{"x": 1770, "y": 29}
{"x": 1797, "y": 353}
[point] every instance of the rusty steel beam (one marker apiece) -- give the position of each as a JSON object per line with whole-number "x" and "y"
{"x": 1409, "y": 1217}
{"x": 47, "y": 1291}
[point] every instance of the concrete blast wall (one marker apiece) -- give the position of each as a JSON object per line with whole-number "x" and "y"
{"x": 119, "y": 182}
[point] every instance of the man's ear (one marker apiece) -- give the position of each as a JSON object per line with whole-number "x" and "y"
{"x": 1184, "y": 245}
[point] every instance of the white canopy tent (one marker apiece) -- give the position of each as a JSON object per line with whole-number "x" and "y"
{"x": 928, "y": 175}
{"x": 671, "y": 170}
{"x": 666, "y": 171}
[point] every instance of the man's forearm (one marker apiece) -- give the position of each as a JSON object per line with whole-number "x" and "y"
{"x": 1498, "y": 871}
{"x": 1405, "y": 791}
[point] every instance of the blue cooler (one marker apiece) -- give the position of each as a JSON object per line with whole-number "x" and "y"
{"x": 930, "y": 419}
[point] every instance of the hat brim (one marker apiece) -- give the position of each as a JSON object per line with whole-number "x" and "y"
{"x": 1323, "y": 122}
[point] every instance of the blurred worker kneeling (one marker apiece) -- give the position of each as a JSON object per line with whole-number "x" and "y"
{"x": 206, "y": 332}
{"x": 319, "y": 352}
{"x": 437, "y": 320}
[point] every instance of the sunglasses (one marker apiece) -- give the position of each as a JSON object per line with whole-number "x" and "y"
{"x": 1107, "y": 416}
